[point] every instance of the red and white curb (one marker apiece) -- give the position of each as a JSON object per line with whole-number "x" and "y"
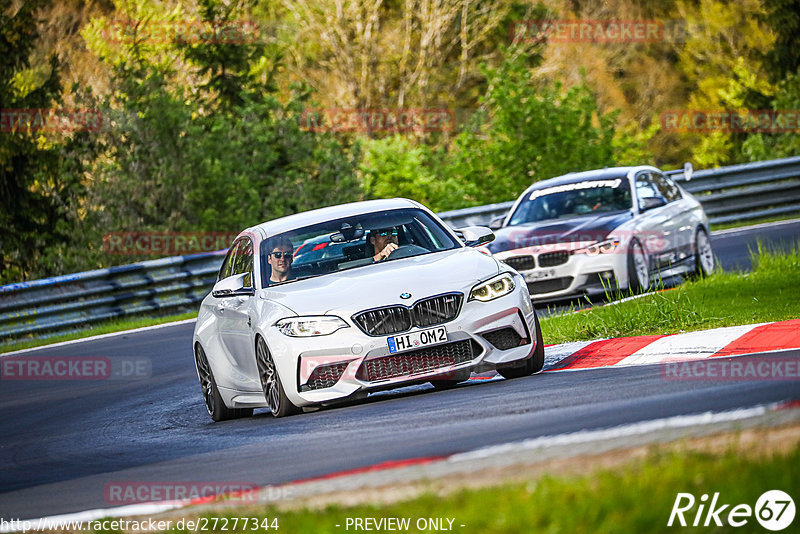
{"x": 647, "y": 350}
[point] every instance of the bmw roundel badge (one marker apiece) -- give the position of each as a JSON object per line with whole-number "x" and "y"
{"x": 405, "y": 295}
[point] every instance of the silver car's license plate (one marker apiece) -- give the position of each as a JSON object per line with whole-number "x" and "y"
{"x": 415, "y": 340}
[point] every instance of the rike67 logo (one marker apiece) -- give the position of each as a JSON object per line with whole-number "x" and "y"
{"x": 774, "y": 510}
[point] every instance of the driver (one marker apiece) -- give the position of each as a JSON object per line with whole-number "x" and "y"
{"x": 280, "y": 260}
{"x": 384, "y": 242}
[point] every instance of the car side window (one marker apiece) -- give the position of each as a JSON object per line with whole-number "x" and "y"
{"x": 666, "y": 187}
{"x": 243, "y": 260}
{"x": 227, "y": 266}
{"x": 645, "y": 188}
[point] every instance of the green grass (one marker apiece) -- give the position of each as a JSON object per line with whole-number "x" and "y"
{"x": 636, "y": 497}
{"x": 768, "y": 293}
{"x": 114, "y": 325}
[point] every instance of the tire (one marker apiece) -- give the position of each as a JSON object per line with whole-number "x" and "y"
{"x": 638, "y": 271}
{"x": 215, "y": 406}
{"x": 277, "y": 401}
{"x": 533, "y": 364}
{"x": 703, "y": 255}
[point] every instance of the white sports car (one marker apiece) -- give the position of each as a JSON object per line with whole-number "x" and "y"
{"x": 324, "y": 305}
{"x": 604, "y": 230}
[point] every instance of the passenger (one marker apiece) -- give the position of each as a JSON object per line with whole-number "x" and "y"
{"x": 384, "y": 242}
{"x": 280, "y": 260}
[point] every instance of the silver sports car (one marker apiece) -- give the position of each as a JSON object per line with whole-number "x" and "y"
{"x": 333, "y": 303}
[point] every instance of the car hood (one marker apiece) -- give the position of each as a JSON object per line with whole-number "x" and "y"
{"x": 590, "y": 228}
{"x": 381, "y": 284}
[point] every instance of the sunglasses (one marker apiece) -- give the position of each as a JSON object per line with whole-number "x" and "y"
{"x": 384, "y": 233}
{"x": 278, "y": 255}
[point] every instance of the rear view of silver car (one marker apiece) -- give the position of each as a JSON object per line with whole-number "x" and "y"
{"x": 601, "y": 231}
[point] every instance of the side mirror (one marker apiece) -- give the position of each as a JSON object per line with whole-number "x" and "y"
{"x": 475, "y": 236}
{"x": 497, "y": 222}
{"x": 236, "y": 285}
{"x": 651, "y": 203}
{"x": 688, "y": 170}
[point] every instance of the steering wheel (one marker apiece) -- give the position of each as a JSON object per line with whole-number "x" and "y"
{"x": 404, "y": 251}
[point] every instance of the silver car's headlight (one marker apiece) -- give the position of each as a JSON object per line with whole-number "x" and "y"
{"x": 603, "y": 247}
{"x": 500, "y": 285}
{"x": 312, "y": 325}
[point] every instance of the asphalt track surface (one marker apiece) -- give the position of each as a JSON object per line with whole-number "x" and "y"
{"x": 62, "y": 442}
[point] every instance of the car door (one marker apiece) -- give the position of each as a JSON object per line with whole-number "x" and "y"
{"x": 656, "y": 228}
{"x": 234, "y": 312}
{"x": 681, "y": 213}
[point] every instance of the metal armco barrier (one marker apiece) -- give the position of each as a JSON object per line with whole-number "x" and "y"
{"x": 40, "y": 308}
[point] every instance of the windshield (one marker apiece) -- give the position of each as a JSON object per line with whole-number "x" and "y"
{"x": 350, "y": 242}
{"x": 573, "y": 200}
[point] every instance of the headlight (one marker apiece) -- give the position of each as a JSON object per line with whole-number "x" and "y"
{"x": 317, "y": 325}
{"x": 498, "y": 286}
{"x": 603, "y": 247}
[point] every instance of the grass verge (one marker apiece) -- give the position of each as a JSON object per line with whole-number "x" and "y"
{"x": 114, "y": 325}
{"x": 767, "y": 293}
{"x": 634, "y": 496}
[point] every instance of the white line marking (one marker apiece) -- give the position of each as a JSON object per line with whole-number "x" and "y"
{"x": 587, "y": 436}
{"x": 753, "y": 227}
{"x": 101, "y": 336}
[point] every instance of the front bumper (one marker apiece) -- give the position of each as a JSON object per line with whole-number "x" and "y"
{"x": 581, "y": 274}
{"x": 325, "y": 368}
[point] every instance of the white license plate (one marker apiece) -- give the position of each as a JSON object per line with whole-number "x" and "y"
{"x": 415, "y": 340}
{"x": 542, "y": 274}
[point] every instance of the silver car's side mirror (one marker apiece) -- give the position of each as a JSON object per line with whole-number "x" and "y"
{"x": 475, "y": 236}
{"x": 236, "y": 285}
{"x": 497, "y": 222}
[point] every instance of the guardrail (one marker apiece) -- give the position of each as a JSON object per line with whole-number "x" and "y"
{"x": 42, "y": 308}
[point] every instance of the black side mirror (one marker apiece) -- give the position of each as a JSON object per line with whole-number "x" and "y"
{"x": 651, "y": 203}
{"x": 497, "y": 222}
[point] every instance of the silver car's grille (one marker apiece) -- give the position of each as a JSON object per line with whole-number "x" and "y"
{"x": 395, "y": 319}
{"x": 551, "y": 259}
{"x": 520, "y": 263}
{"x": 418, "y": 361}
{"x": 324, "y": 376}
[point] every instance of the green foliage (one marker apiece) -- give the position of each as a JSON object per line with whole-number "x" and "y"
{"x": 759, "y": 147}
{"x": 532, "y": 131}
{"x": 39, "y": 183}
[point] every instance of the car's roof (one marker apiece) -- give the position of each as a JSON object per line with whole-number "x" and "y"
{"x": 577, "y": 177}
{"x": 306, "y": 218}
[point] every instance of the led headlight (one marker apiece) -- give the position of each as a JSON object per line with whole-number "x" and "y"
{"x": 315, "y": 325}
{"x": 496, "y": 287}
{"x": 603, "y": 247}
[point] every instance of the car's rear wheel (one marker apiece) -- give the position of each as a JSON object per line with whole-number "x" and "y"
{"x": 533, "y": 364}
{"x": 277, "y": 401}
{"x": 703, "y": 255}
{"x": 214, "y": 404}
{"x": 638, "y": 270}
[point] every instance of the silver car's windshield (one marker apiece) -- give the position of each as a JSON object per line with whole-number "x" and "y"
{"x": 573, "y": 200}
{"x": 349, "y": 243}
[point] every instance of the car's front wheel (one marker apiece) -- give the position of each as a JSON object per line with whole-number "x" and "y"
{"x": 533, "y": 364}
{"x": 703, "y": 255}
{"x": 214, "y": 404}
{"x": 638, "y": 270}
{"x": 277, "y": 401}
